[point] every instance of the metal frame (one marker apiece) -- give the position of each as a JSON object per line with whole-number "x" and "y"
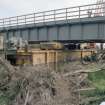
{"x": 54, "y": 15}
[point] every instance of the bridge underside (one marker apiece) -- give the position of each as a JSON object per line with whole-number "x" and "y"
{"x": 75, "y": 30}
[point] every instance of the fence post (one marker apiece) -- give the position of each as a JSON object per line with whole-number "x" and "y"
{"x": 25, "y": 20}
{"x": 66, "y": 13}
{"x": 34, "y": 18}
{"x": 17, "y": 20}
{"x": 54, "y": 15}
{"x": 10, "y": 21}
{"x": 43, "y": 17}
{"x": 3, "y": 23}
{"x": 79, "y": 12}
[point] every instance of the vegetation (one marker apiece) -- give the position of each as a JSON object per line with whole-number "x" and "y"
{"x": 96, "y": 96}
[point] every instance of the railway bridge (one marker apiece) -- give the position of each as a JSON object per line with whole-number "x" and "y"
{"x": 74, "y": 24}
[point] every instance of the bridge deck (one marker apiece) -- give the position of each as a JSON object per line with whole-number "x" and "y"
{"x": 81, "y": 23}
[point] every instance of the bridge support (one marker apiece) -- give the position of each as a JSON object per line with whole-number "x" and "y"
{"x": 102, "y": 46}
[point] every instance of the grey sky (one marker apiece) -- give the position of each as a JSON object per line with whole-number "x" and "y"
{"x": 19, "y": 7}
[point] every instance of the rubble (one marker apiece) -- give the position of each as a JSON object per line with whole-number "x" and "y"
{"x": 45, "y": 87}
{"x": 39, "y": 85}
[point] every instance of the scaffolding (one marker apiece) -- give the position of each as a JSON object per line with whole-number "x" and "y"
{"x": 100, "y": 8}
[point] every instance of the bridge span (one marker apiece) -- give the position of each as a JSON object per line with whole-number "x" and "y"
{"x": 74, "y": 24}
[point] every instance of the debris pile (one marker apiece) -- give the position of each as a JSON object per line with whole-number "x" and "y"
{"x": 40, "y": 85}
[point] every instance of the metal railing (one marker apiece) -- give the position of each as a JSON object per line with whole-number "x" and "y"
{"x": 91, "y": 10}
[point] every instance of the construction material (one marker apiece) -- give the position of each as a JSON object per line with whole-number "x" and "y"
{"x": 51, "y": 46}
{"x": 1, "y": 42}
{"x": 36, "y": 57}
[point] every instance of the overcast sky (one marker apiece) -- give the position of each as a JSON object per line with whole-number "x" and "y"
{"x": 18, "y": 7}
